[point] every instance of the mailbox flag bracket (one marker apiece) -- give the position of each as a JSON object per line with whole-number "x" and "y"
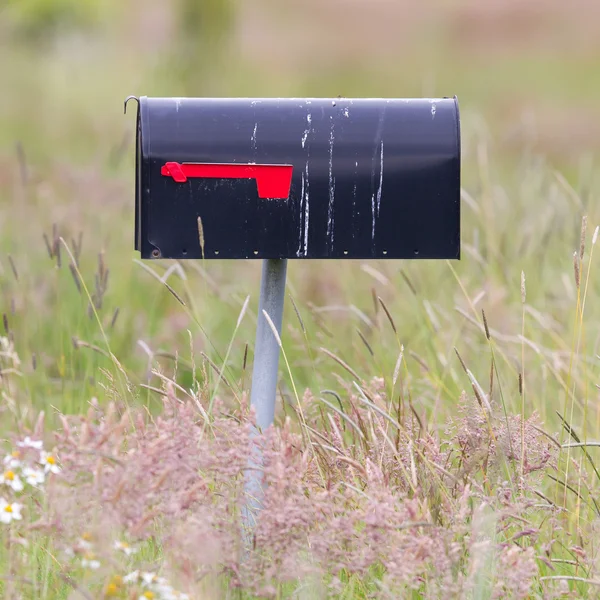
{"x": 273, "y": 181}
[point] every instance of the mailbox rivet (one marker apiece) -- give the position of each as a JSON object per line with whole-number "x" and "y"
{"x": 416, "y": 252}
{"x": 216, "y": 252}
{"x": 345, "y": 251}
{"x": 385, "y": 252}
{"x": 155, "y": 253}
{"x": 256, "y": 252}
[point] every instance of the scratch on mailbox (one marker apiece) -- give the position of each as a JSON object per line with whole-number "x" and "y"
{"x": 253, "y": 138}
{"x": 330, "y": 215}
{"x": 302, "y": 200}
{"x": 307, "y": 130}
{"x": 433, "y": 110}
{"x": 306, "y": 212}
{"x": 373, "y": 216}
{"x": 380, "y": 180}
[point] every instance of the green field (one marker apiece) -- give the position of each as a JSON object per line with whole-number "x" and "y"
{"x": 438, "y": 424}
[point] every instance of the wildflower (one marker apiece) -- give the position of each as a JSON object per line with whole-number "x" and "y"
{"x": 29, "y": 443}
{"x": 133, "y": 577}
{"x": 147, "y": 595}
{"x": 49, "y": 462}
{"x": 149, "y": 578}
{"x": 125, "y": 548}
{"x": 34, "y": 477}
{"x": 9, "y": 511}
{"x": 89, "y": 561}
{"x": 12, "y": 460}
{"x": 12, "y": 480}
{"x": 114, "y": 587}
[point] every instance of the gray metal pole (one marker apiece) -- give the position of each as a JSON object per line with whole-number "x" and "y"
{"x": 264, "y": 376}
{"x": 266, "y": 348}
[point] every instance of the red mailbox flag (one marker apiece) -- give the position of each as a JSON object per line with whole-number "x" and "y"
{"x": 272, "y": 181}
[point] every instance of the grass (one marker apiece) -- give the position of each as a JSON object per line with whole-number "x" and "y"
{"x": 392, "y": 478}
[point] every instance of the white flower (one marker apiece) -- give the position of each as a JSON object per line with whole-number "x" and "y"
{"x": 29, "y": 443}
{"x": 125, "y": 548}
{"x": 149, "y": 578}
{"x": 9, "y": 512}
{"x": 90, "y": 562}
{"x": 49, "y": 462}
{"x": 132, "y": 577}
{"x": 84, "y": 544}
{"x": 11, "y": 479}
{"x": 34, "y": 477}
{"x": 12, "y": 460}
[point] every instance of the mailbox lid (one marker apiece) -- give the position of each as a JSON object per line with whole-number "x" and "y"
{"x": 370, "y": 178}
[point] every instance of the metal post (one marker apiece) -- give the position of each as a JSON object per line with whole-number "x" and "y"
{"x": 266, "y": 348}
{"x": 264, "y": 375}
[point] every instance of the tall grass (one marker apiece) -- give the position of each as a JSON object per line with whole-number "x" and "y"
{"x": 394, "y": 470}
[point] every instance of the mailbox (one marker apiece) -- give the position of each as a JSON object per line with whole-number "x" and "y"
{"x": 298, "y": 178}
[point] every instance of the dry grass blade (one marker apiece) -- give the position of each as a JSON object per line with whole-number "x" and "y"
{"x": 49, "y": 248}
{"x": 215, "y": 368}
{"x": 485, "y": 325}
{"x": 243, "y": 311}
{"x": 353, "y": 463}
{"x": 462, "y": 362}
{"x": 175, "y": 358}
{"x": 77, "y": 343}
{"x": 340, "y": 362}
{"x": 159, "y": 278}
{"x": 420, "y": 360}
{"x": 577, "y": 439}
{"x": 75, "y": 277}
{"x": 582, "y": 237}
{"x": 363, "y": 398}
{"x": 387, "y": 312}
{"x": 114, "y": 318}
{"x": 570, "y": 578}
{"x": 344, "y": 416}
{"x": 228, "y": 352}
{"x": 201, "y": 236}
{"x": 13, "y": 267}
{"x": 298, "y": 314}
{"x": 154, "y": 389}
{"x": 364, "y": 341}
{"x": 273, "y": 328}
{"x": 397, "y": 367}
{"x": 581, "y": 445}
{"x": 568, "y": 487}
{"x": 546, "y": 434}
{"x": 408, "y": 282}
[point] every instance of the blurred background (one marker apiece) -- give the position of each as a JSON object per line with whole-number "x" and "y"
{"x": 527, "y": 75}
{"x": 530, "y": 68}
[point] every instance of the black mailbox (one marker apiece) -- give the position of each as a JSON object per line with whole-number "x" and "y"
{"x": 298, "y": 178}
